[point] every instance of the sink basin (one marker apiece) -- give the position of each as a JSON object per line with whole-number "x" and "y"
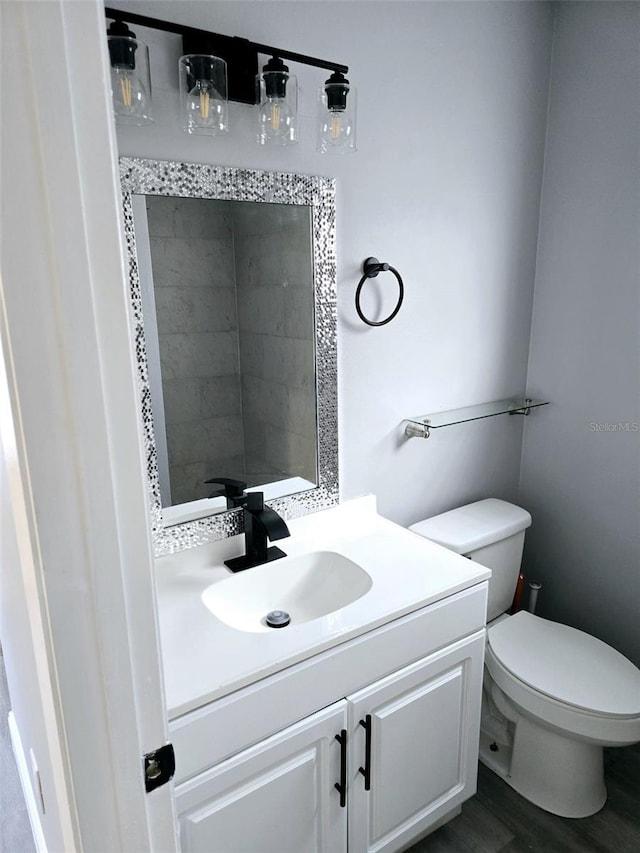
{"x": 305, "y": 587}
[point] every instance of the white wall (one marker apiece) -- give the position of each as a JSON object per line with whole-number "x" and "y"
{"x": 580, "y": 481}
{"x": 445, "y": 186}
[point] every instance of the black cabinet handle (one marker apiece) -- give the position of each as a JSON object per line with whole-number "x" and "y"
{"x": 341, "y": 786}
{"x": 366, "y": 770}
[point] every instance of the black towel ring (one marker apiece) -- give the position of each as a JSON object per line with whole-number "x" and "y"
{"x": 371, "y": 267}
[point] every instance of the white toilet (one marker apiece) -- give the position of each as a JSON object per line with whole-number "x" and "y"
{"x": 553, "y": 696}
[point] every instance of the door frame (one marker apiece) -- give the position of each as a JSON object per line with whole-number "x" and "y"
{"x": 71, "y": 383}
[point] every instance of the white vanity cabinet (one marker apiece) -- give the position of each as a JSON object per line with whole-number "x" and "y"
{"x": 276, "y": 796}
{"x": 417, "y": 748}
{"x": 414, "y": 745}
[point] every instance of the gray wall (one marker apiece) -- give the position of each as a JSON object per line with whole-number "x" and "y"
{"x": 580, "y": 477}
{"x": 445, "y": 186}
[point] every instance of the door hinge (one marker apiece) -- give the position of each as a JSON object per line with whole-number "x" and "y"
{"x": 159, "y": 767}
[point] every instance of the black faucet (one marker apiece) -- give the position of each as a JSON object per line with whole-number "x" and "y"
{"x": 260, "y": 524}
{"x": 233, "y": 490}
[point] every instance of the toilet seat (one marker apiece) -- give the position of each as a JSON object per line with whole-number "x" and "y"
{"x": 585, "y": 673}
{"x": 528, "y": 643}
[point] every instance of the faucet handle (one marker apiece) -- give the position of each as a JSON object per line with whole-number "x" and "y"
{"x": 233, "y": 490}
{"x": 254, "y": 501}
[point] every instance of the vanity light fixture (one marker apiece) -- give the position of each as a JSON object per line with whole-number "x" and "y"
{"x": 337, "y": 116}
{"x": 278, "y": 104}
{"x": 130, "y": 79}
{"x": 215, "y": 68}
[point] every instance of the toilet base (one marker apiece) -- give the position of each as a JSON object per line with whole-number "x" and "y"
{"x": 552, "y": 771}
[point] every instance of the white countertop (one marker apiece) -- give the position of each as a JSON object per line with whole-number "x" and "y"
{"x": 205, "y": 659}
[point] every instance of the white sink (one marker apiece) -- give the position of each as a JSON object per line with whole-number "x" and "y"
{"x": 305, "y": 587}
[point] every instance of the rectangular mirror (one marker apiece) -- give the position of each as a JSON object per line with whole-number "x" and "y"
{"x": 227, "y": 297}
{"x": 233, "y": 290}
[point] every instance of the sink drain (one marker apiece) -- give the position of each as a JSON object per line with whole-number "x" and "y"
{"x": 278, "y": 619}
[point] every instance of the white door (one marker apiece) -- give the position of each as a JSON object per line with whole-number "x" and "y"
{"x": 414, "y": 746}
{"x": 81, "y": 554}
{"x": 279, "y": 796}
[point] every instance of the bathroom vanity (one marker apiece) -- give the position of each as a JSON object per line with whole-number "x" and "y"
{"x": 352, "y": 730}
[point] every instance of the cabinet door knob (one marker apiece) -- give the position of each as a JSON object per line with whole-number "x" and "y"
{"x": 366, "y": 770}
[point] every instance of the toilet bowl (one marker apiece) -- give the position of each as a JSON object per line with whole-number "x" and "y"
{"x": 560, "y": 696}
{"x": 553, "y": 696}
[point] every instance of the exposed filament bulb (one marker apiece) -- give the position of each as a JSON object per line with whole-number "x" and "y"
{"x": 125, "y": 89}
{"x": 207, "y": 108}
{"x": 275, "y": 115}
{"x": 129, "y": 95}
{"x": 204, "y": 104}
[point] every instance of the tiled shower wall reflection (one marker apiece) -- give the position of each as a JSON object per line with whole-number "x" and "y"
{"x": 193, "y": 272}
{"x": 234, "y": 303}
{"x": 274, "y": 277}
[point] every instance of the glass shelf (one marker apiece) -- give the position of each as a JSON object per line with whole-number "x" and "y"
{"x": 422, "y": 425}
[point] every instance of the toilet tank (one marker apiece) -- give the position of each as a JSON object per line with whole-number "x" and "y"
{"x": 491, "y": 532}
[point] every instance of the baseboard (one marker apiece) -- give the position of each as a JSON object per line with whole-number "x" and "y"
{"x": 25, "y": 781}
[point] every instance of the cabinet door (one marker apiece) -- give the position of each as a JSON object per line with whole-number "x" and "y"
{"x": 422, "y": 724}
{"x": 278, "y": 796}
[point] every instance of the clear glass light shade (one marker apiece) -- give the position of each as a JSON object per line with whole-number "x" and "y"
{"x": 336, "y": 125}
{"x": 203, "y": 94}
{"x": 278, "y": 108}
{"x": 130, "y": 80}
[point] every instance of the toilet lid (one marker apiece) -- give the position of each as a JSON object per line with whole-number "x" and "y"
{"x": 567, "y": 665}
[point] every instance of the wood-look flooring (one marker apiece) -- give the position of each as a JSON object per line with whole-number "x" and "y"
{"x": 496, "y": 820}
{"x": 15, "y": 830}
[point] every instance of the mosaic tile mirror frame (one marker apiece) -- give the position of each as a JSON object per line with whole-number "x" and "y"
{"x": 142, "y": 177}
